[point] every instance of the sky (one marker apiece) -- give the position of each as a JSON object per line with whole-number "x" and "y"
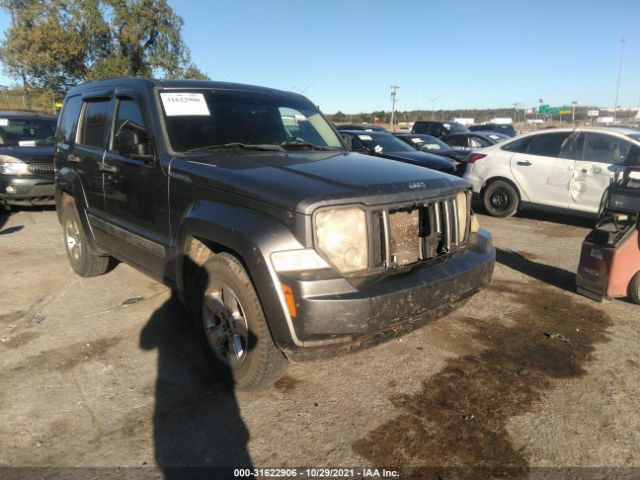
{"x": 345, "y": 54}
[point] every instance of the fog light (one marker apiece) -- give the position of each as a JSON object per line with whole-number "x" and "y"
{"x": 11, "y": 189}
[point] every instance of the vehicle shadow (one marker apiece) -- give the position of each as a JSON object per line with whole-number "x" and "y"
{"x": 197, "y": 428}
{"x": 557, "y": 217}
{"x": 558, "y": 277}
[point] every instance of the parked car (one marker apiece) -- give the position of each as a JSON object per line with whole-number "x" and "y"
{"x": 505, "y": 129}
{"x": 431, "y": 144}
{"x": 388, "y": 146}
{"x": 26, "y": 158}
{"x": 438, "y": 129}
{"x": 563, "y": 168}
{"x": 465, "y": 142}
{"x": 282, "y": 244}
{"x": 356, "y": 126}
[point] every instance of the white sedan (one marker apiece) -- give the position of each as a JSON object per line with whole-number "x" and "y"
{"x": 563, "y": 168}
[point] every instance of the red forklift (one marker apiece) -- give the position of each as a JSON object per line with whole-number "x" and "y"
{"x": 610, "y": 259}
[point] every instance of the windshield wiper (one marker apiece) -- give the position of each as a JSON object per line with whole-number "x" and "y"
{"x": 307, "y": 145}
{"x": 260, "y": 147}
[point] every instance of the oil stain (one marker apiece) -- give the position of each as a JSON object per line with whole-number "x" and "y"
{"x": 287, "y": 384}
{"x": 559, "y": 230}
{"x": 20, "y": 340}
{"x": 458, "y": 420}
{"x": 65, "y": 358}
{"x": 12, "y": 317}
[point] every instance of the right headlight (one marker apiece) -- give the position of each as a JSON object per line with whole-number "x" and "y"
{"x": 341, "y": 235}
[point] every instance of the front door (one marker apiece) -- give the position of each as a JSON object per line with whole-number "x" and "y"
{"x": 603, "y": 158}
{"x": 135, "y": 189}
{"x": 542, "y": 175}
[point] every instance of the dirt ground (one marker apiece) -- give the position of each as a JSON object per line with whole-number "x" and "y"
{"x": 104, "y": 372}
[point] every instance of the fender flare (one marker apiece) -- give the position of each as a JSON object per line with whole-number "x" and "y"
{"x": 252, "y": 237}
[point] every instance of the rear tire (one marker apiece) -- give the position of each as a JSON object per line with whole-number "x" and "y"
{"x": 500, "y": 199}
{"x": 634, "y": 288}
{"x": 232, "y": 327}
{"x": 84, "y": 260}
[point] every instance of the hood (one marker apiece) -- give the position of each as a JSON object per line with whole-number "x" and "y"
{"x": 302, "y": 181}
{"x": 41, "y": 154}
{"x": 424, "y": 159}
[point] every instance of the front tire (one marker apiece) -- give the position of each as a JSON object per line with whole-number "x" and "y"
{"x": 500, "y": 199}
{"x": 84, "y": 260}
{"x": 231, "y": 325}
{"x": 634, "y": 288}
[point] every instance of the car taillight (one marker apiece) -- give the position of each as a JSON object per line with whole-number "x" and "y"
{"x": 474, "y": 157}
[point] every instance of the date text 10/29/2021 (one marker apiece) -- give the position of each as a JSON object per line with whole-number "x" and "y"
{"x": 315, "y": 473}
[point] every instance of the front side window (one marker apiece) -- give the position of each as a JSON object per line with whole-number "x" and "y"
{"x": 548, "y": 144}
{"x": 603, "y": 148}
{"x": 27, "y": 132}
{"x": 94, "y": 123}
{"x": 130, "y": 136}
{"x": 197, "y": 120}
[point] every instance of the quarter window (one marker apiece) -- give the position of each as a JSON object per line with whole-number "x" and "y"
{"x": 605, "y": 148}
{"x": 94, "y": 123}
{"x": 69, "y": 119}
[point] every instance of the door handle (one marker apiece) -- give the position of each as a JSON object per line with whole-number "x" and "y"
{"x": 584, "y": 170}
{"x": 73, "y": 158}
{"x": 108, "y": 168}
{"x": 524, "y": 163}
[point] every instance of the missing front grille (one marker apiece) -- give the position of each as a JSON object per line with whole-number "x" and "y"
{"x": 404, "y": 241}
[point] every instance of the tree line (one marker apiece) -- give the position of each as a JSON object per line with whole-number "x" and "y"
{"x": 52, "y": 45}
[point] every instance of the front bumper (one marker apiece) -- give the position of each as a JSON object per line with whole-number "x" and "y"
{"x": 334, "y": 311}
{"x": 28, "y": 189}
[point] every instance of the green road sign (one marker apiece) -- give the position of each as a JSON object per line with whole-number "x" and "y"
{"x": 543, "y": 109}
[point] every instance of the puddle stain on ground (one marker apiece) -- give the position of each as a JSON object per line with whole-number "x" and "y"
{"x": 69, "y": 356}
{"x": 458, "y": 419}
{"x": 19, "y": 340}
{"x": 12, "y": 317}
{"x": 287, "y": 384}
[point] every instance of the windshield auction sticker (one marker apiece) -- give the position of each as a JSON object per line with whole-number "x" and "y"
{"x": 184, "y": 104}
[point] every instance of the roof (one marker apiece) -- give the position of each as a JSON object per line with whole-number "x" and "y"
{"x": 150, "y": 83}
{"x": 25, "y": 114}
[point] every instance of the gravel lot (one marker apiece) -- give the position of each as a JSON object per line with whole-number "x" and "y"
{"x": 90, "y": 381}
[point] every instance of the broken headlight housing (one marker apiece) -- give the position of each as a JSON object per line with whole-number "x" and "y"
{"x": 341, "y": 238}
{"x": 13, "y": 166}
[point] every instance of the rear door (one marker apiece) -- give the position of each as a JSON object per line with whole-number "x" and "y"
{"x": 540, "y": 171}
{"x": 88, "y": 150}
{"x": 603, "y": 156}
{"x": 135, "y": 187}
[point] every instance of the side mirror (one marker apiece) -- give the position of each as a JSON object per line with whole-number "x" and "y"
{"x": 130, "y": 143}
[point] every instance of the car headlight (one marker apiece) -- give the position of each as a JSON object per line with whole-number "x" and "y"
{"x": 341, "y": 235}
{"x": 461, "y": 205}
{"x": 13, "y": 166}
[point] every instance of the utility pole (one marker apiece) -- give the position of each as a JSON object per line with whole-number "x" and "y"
{"x": 433, "y": 105}
{"x": 394, "y": 99}
{"x": 615, "y": 105}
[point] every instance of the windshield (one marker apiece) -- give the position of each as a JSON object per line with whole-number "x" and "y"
{"x": 206, "y": 119}
{"x": 456, "y": 127}
{"x": 27, "y": 132}
{"x": 384, "y": 143}
{"x": 429, "y": 143}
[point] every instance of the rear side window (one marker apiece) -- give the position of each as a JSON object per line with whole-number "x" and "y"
{"x": 517, "y": 146}
{"x": 69, "y": 120}
{"x": 94, "y": 123}
{"x": 548, "y": 144}
{"x": 455, "y": 141}
{"x": 605, "y": 148}
{"x": 479, "y": 142}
